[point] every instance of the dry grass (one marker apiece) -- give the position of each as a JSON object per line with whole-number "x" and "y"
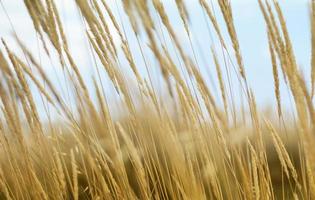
{"x": 186, "y": 145}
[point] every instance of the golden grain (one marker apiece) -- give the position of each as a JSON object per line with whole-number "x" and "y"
{"x": 177, "y": 146}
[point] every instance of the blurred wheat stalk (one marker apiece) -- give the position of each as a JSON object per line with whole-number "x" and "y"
{"x": 152, "y": 153}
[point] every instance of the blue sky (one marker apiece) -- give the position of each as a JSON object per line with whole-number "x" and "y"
{"x": 247, "y": 18}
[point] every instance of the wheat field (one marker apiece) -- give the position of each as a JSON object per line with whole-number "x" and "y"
{"x": 168, "y": 139}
